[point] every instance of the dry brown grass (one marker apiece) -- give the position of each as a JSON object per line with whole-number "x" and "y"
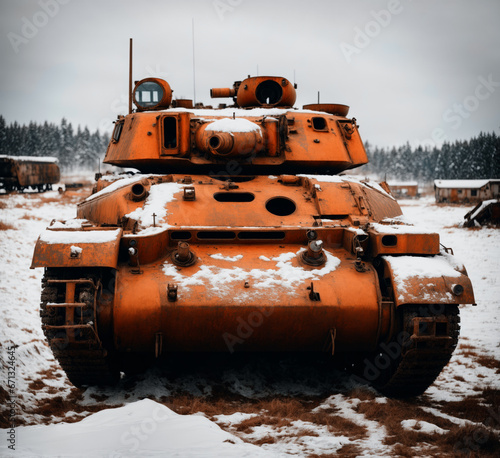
{"x": 279, "y": 413}
{"x": 363, "y": 393}
{"x": 5, "y": 226}
{"x": 247, "y": 425}
{"x": 336, "y": 424}
{"x": 393, "y": 412}
{"x": 491, "y": 396}
{"x": 4, "y": 397}
{"x": 58, "y": 406}
{"x": 489, "y": 362}
{"x": 477, "y": 409}
{"x": 265, "y": 440}
{"x": 468, "y": 440}
{"x": 350, "y": 452}
{"x": 403, "y": 451}
{"x": 49, "y": 374}
{"x": 3, "y": 205}
{"x": 187, "y": 405}
{"x": 468, "y": 354}
{"x": 37, "y": 385}
{"x": 284, "y": 408}
{"x": 29, "y": 217}
{"x": 48, "y": 200}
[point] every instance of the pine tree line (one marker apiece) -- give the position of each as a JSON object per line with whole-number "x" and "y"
{"x": 75, "y": 150}
{"x": 477, "y": 158}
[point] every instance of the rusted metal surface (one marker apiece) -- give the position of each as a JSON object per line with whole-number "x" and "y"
{"x": 143, "y": 141}
{"x": 205, "y": 314}
{"x": 332, "y": 108}
{"x": 222, "y": 92}
{"x": 429, "y": 289}
{"x": 394, "y": 242}
{"x": 266, "y": 91}
{"x": 92, "y": 252}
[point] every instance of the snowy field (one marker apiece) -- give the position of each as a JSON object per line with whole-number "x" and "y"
{"x": 251, "y": 406}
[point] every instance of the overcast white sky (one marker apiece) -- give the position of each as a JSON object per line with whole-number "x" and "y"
{"x": 410, "y": 70}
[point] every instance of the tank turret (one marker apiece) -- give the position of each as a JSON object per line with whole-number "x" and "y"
{"x": 260, "y": 134}
{"x": 237, "y": 234}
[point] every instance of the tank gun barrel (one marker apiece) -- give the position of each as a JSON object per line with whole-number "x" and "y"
{"x": 222, "y": 92}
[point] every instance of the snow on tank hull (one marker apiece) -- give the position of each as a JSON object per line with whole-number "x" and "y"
{"x": 190, "y": 262}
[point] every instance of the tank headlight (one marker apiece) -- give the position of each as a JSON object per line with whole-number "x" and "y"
{"x": 457, "y": 290}
{"x": 152, "y": 94}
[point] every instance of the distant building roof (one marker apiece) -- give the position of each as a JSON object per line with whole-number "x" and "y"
{"x": 30, "y": 158}
{"x": 461, "y": 184}
{"x": 402, "y": 183}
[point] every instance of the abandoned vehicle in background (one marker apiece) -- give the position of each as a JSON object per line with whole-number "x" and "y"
{"x": 20, "y": 173}
{"x": 240, "y": 219}
{"x": 486, "y": 213}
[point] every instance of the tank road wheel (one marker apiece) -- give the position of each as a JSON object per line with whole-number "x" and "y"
{"x": 419, "y": 349}
{"x": 68, "y": 314}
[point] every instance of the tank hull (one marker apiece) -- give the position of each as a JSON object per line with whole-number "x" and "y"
{"x": 247, "y": 305}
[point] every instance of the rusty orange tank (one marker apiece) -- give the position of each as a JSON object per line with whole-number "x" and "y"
{"x": 238, "y": 234}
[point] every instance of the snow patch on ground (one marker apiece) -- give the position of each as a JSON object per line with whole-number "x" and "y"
{"x": 422, "y": 427}
{"x": 142, "y": 428}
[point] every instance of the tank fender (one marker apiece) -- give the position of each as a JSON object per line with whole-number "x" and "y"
{"x": 77, "y": 248}
{"x": 435, "y": 279}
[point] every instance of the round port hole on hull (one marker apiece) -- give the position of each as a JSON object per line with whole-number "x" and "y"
{"x": 280, "y": 206}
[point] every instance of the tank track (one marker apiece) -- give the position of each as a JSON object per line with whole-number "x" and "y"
{"x": 424, "y": 349}
{"x": 69, "y": 324}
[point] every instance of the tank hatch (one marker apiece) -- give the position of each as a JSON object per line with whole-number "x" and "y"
{"x": 259, "y": 91}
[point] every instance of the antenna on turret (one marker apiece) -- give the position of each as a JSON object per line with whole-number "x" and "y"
{"x": 194, "y": 74}
{"x": 130, "y": 79}
{"x": 318, "y": 97}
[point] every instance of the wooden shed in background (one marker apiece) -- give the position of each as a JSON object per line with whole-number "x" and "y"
{"x": 404, "y": 189}
{"x": 466, "y": 191}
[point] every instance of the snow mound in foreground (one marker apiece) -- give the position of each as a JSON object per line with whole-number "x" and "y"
{"x": 143, "y": 428}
